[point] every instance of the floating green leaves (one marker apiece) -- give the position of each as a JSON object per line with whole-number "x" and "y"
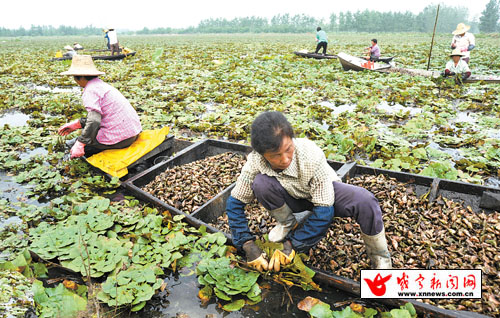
{"x": 318, "y": 309}
{"x": 440, "y": 169}
{"x": 15, "y": 294}
{"x": 133, "y": 286}
{"x": 227, "y": 282}
{"x": 58, "y": 301}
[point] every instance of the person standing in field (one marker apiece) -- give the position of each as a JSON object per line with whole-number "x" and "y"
{"x": 463, "y": 41}
{"x": 322, "y": 40}
{"x": 113, "y": 42}
{"x": 106, "y": 37}
{"x": 373, "y": 51}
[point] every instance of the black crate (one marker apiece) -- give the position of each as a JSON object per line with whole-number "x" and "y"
{"x": 197, "y": 151}
{"x": 469, "y": 194}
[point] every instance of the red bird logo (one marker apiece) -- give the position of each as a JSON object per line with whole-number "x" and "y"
{"x": 377, "y": 286}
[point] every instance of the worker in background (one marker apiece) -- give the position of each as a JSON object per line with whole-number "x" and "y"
{"x": 373, "y": 51}
{"x": 322, "y": 40}
{"x": 113, "y": 42}
{"x": 77, "y": 46}
{"x": 70, "y": 52}
{"x": 111, "y": 123}
{"x": 457, "y": 66}
{"x": 289, "y": 175}
{"x": 106, "y": 37}
{"x": 463, "y": 41}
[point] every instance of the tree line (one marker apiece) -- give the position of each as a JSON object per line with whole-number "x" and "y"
{"x": 44, "y": 30}
{"x": 359, "y": 21}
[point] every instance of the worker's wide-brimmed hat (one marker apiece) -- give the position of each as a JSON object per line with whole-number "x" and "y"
{"x": 82, "y": 65}
{"x": 68, "y": 48}
{"x": 461, "y": 28}
{"x": 105, "y": 30}
{"x": 456, "y": 52}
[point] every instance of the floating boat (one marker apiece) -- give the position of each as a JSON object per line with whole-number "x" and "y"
{"x": 354, "y": 63}
{"x": 97, "y": 50}
{"x": 384, "y": 59}
{"x": 350, "y": 62}
{"x": 478, "y": 197}
{"x": 98, "y": 57}
{"x": 313, "y": 55}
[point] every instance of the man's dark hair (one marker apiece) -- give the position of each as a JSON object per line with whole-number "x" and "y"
{"x": 374, "y": 41}
{"x": 87, "y": 77}
{"x": 268, "y": 131}
{"x": 318, "y": 29}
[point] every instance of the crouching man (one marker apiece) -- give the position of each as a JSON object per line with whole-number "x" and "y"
{"x": 289, "y": 175}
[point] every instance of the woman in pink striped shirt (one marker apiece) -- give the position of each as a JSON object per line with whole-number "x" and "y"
{"x": 111, "y": 123}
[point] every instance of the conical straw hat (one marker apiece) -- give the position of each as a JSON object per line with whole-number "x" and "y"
{"x": 82, "y": 65}
{"x": 461, "y": 28}
{"x": 456, "y": 52}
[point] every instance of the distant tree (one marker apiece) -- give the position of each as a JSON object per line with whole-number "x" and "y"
{"x": 333, "y": 22}
{"x": 488, "y": 22}
{"x": 448, "y": 19}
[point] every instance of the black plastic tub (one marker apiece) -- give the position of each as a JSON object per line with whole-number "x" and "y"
{"x": 197, "y": 151}
{"x": 479, "y": 198}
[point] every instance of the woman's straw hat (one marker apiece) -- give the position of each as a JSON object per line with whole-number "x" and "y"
{"x": 456, "y": 52}
{"x": 82, "y": 65}
{"x": 461, "y": 29}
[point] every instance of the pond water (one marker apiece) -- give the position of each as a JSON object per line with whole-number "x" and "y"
{"x": 13, "y": 191}
{"x": 492, "y": 182}
{"x": 465, "y": 117}
{"x": 34, "y": 152}
{"x": 396, "y": 108}
{"x": 13, "y": 118}
{"x": 209, "y": 108}
{"x": 47, "y": 88}
{"x": 454, "y": 153}
{"x": 180, "y": 299}
{"x": 337, "y": 110}
{"x": 13, "y": 220}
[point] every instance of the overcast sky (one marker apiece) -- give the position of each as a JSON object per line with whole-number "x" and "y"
{"x": 133, "y": 15}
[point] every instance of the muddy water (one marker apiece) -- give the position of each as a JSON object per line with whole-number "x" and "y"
{"x": 39, "y": 151}
{"x": 180, "y": 299}
{"x": 13, "y": 191}
{"x": 13, "y": 118}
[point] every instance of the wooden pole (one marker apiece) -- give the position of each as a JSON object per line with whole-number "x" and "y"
{"x": 432, "y": 42}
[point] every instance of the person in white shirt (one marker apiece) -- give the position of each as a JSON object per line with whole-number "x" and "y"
{"x": 69, "y": 51}
{"x": 113, "y": 42}
{"x": 457, "y": 66}
{"x": 463, "y": 41}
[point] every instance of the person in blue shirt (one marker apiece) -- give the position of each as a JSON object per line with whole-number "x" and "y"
{"x": 322, "y": 40}
{"x": 106, "y": 37}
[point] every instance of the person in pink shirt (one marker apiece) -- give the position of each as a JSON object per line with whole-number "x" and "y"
{"x": 111, "y": 123}
{"x": 373, "y": 52}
